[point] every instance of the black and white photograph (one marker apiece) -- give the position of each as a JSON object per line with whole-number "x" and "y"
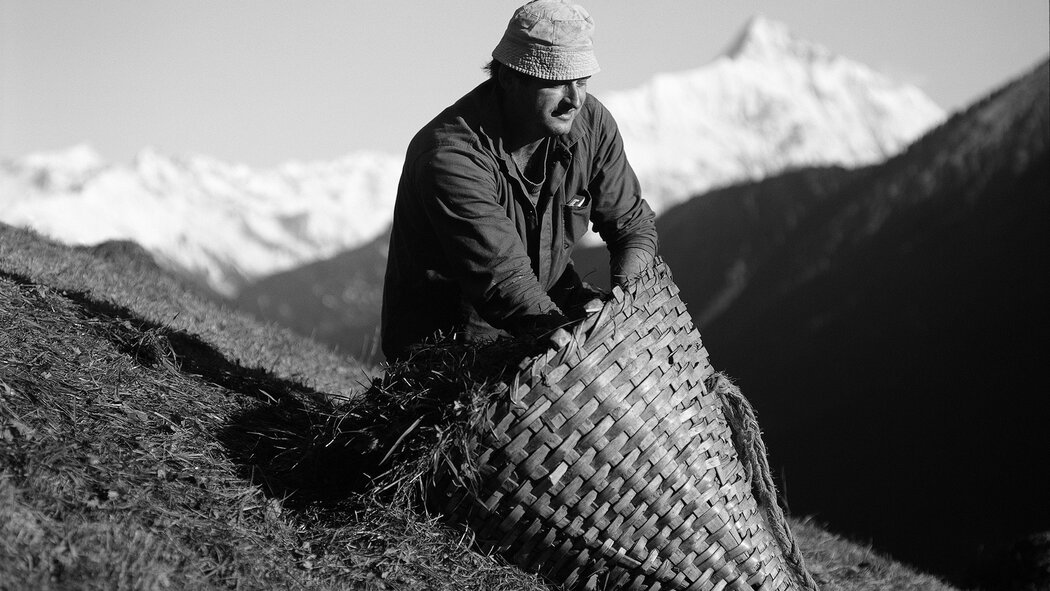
{"x": 524, "y": 295}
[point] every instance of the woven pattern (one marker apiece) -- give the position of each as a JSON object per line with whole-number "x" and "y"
{"x": 611, "y": 464}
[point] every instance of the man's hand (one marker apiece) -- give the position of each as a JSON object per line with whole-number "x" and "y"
{"x": 629, "y": 264}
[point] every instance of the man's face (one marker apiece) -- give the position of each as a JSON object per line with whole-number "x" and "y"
{"x": 546, "y": 107}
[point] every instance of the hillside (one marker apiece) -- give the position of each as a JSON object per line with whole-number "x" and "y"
{"x": 894, "y": 339}
{"x": 163, "y": 299}
{"x": 152, "y": 440}
{"x": 141, "y": 450}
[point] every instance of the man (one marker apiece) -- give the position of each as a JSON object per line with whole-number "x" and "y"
{"x": 497, "y": 189}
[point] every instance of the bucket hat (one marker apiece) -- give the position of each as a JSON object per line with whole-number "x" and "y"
{"x": 549, "y": 39}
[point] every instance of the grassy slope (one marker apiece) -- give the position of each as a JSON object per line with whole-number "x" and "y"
{"x": 146, "y": 441}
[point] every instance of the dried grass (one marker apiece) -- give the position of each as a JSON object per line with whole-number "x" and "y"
{"x": 138, "y": 456}
{"x": 110, "y": 476}
{"x": 423, "y": 418}
{"x": 839, "y": 564}
{"x": 163, "y": 299}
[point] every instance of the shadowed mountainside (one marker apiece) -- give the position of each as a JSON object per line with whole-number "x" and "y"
{"x": 335, "y": 301}
{"x": 717, "y": 241}
{"x": 894, "y": 341}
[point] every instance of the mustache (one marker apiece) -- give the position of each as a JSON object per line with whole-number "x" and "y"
{"x": 564, "y": 108}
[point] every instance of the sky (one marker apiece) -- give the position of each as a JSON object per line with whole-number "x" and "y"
{"x": 263, "y": 82}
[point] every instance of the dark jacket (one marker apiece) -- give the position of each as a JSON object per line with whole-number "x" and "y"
{"x": 468, "y": 249}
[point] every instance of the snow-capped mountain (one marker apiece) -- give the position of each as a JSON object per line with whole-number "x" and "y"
{"x": 226, "y": 223}
{"x": 768, "y": 103}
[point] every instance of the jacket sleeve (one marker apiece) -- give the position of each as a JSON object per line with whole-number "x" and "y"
{"x": 623, "y": 219}
{"x": 478, "y": 240}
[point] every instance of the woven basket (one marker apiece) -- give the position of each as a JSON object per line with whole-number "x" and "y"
{"x": 611, "y": 465}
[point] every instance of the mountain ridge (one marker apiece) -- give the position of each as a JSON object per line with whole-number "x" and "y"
{"x": 226, "y": 223}
{"x": 769, "y": 103}
{"x": 762, "y": 36}
{"x": 231, "y": 225}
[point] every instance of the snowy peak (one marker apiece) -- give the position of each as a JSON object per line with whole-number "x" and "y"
{"x": 79, "y": 158}
{"x": 763, "y": 38}
{"x": 770, "y": 103}
{"x": 61, "y": 169}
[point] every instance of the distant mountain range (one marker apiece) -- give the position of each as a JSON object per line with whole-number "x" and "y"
{"x": 223, "y": 224}
{"x": 770, "y": 103}
{"x": 336, "y": 301}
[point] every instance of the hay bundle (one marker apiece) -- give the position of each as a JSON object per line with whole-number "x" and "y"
{"x": 609, "y": 460}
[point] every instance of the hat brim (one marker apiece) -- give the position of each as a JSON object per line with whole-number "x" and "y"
{"x": 547, "y": 63}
